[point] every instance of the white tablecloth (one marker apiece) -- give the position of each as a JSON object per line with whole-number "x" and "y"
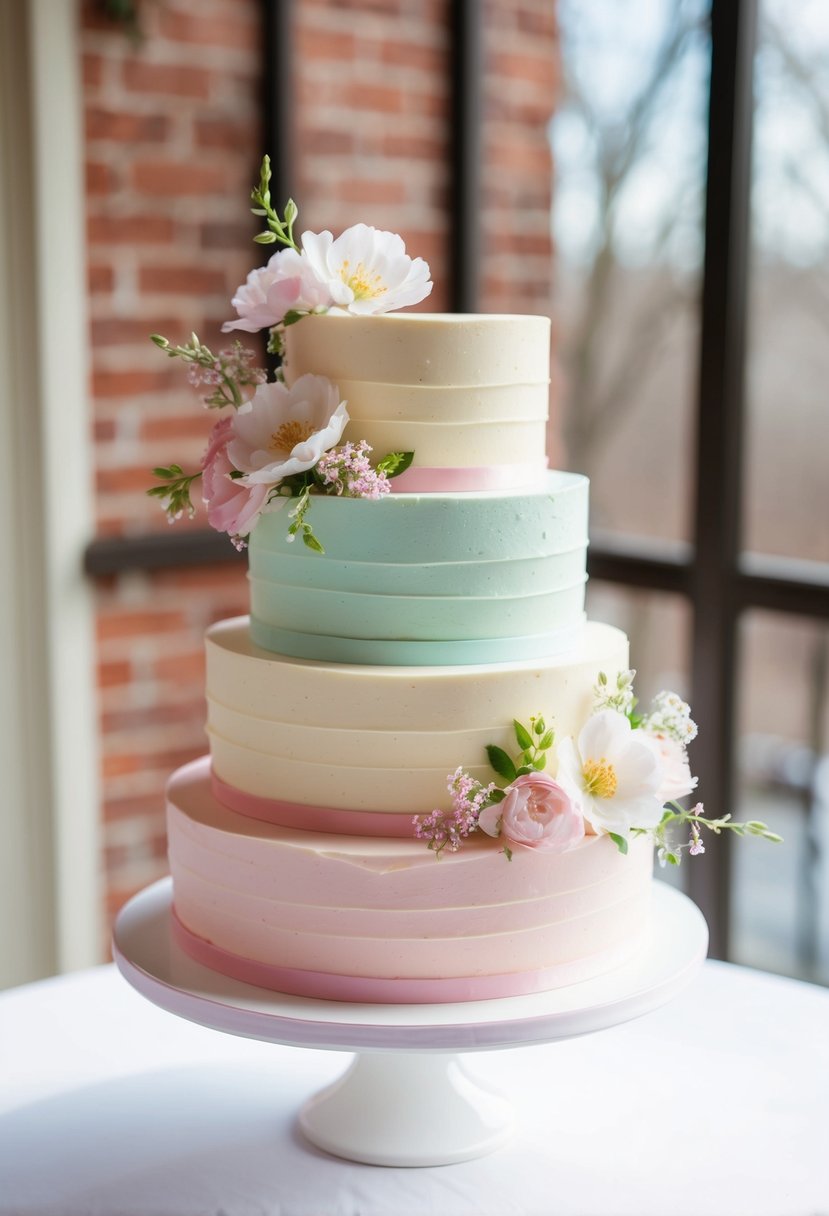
{"x": 718, "y": 1104}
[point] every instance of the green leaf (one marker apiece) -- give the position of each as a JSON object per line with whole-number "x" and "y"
{"x": 539, "y": 726}
{"x": 496, "y": 796}
{"x": 311, "y": 540}
{"x": 501, "y": 762}
{"x": 264, "y": 238}
{"x": 507, "y": 852}
{"x": 524, "y": 770}
{"x": 546, "y": 740}
{"x": 292, "y": 316}
{"x": 395, "y": 463}
{"x": 525, "y": 739}
{"x": 620, "y": 842}
{"x": 540, "y": 762}
{"x": 160, "y": 340}
{"x": 162, "y": 473}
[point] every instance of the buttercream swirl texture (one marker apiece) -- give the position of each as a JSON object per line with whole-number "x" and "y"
{"x": 380, "y": 739}
{"x": 427, "y": 579}
{"x": 329, "y": 908}
{"x": 461, "y": 391}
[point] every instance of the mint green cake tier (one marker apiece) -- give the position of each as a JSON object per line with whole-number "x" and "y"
{"x": 423, "y": 579}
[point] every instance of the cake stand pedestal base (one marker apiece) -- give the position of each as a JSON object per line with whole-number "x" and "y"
{"x": 406, "y": 1099}
{"x": 407, "y": 1109}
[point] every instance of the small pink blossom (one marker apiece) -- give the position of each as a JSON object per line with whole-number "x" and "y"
{"x": 231, "y": 506}
{"x": 448, "y": 829}
{"x": 287, "y": 283}
{"x": 677, "y": 781}
{"x": 347, "y": 471}
{"x": 537, "y": 813}
{"x": 695, "y": 845}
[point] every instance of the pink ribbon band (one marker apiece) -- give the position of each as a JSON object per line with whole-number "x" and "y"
{"x": 327, "y": 986}
{"x": 417, "y": 480}
{"x": 311, "y": 818}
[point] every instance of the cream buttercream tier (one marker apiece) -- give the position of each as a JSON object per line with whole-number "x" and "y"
{"x": 347, "y": 918}
{"x": 463, "y": 392}
{"x": 381, "y": 739}
{"x": 426, "y": 579}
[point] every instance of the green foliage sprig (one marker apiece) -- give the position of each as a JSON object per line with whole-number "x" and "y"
{"x": 175, "y": 492}
{"x": 223, "y": 373}
{"x": 279, "y": 230}
{"x": 670, "y": 853}
{"x": 534, "y": 741}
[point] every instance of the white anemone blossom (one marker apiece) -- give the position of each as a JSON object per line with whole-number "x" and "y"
{"x": 282, "y": 430}
{"x": 366, "y": 270}
{"x": 287, "y": 282}
{"x": 612, "y": 774}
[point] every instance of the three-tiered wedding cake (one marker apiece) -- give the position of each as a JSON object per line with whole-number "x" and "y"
{"x": 437, "y": 615}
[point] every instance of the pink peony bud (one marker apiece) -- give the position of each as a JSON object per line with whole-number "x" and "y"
{"x": 231, "y": 506}
{"x": 536, "y": 813}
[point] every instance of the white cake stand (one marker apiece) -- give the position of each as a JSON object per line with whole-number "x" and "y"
{"x": 406, "y": 1098}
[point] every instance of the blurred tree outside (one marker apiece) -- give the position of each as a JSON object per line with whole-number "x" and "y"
{"x": 629, "y": 146}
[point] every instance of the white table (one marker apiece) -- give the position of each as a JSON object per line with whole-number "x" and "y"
{"x": 717, "y": 1104}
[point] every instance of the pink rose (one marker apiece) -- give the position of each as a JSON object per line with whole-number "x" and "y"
{"x": 536, "y": 813}
{"x": 231, "y": 506}
{"x": 677, "y": 781}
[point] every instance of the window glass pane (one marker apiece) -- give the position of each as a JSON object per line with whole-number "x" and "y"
{"x": 787, "y": 481}
{"x": 780, "y": 893}
{"x": 629, "y": 153}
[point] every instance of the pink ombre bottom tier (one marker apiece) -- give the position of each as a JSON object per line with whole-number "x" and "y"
{"x": 357, "y": 918}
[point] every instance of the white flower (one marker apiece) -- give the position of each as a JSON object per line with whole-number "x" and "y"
{"x": 365, "y": 270}
{"x": 286, "y": 283}
{"x": 612, "y": 774}
{"x": 677, "y": 781}
{"x": 284, "y": 430}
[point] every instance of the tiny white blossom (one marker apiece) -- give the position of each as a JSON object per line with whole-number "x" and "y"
{"x": 670, "y": 715}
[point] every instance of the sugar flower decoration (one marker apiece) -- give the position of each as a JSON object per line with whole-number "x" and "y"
{"x": 286, "y": 284}
{"x": 677, "y": 781}
{"x": 367, "y": 271}
{"x": 283, "y": 431}
{"x": 232, "y": 507}
{"x": 612, "y": 774}
{"x": 537, "y": 813}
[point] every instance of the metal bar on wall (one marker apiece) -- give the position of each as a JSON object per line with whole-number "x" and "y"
{"x": 720, "y": 437}
{"x": 466, "y": 126}
{"x": 278, "y": 95}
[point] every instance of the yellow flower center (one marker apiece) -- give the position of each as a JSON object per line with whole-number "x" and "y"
{"x": 600, "y": 778}
{"x": 289, "y": 435}
{"x": 366, "y": 286}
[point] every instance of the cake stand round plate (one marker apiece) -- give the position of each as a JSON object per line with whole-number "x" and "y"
{"x": 406, "y": 1049}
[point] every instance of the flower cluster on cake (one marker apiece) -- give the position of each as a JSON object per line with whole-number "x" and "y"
{"x": 282, "y": 442}
{"x": 623, "y": 775}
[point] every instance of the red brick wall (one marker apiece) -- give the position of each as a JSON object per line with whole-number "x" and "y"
{"x": 173, "y": 140}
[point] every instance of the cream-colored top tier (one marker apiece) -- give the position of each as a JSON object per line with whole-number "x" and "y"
{"x": 467, "y": 393}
